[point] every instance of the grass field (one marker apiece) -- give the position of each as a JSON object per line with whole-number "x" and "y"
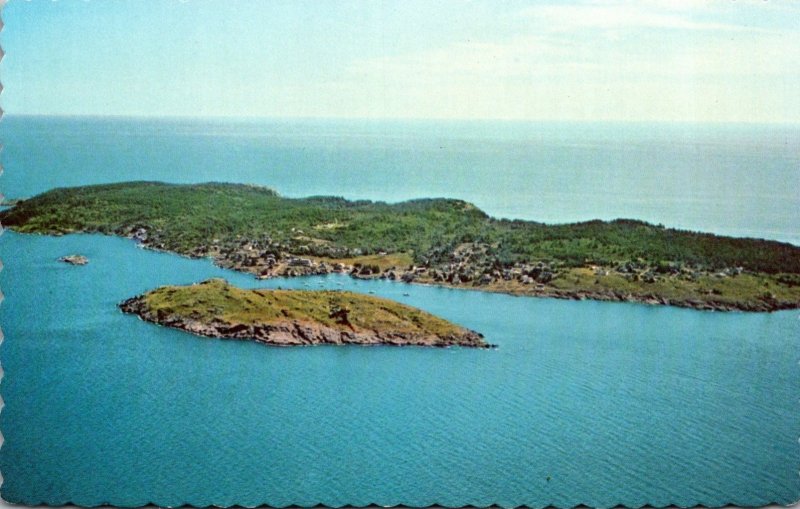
{"x": 216, "y": 300}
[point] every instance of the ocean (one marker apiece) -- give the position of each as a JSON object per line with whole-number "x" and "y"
{"x": 730, "y": 179}
{"x": 582, "y": 402}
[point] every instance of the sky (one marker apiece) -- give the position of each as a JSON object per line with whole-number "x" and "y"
{"x": 647, "y": 60}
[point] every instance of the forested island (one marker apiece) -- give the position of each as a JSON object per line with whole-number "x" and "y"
{"x": 435, "y": 241}
{"x": 214, "y": 308}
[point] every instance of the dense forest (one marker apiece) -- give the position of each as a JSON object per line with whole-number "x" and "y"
{"x": 182, "y": 217}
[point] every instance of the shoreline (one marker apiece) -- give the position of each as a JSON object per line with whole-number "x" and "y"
{"x": 315, "y": 266}
{"x": 764, "y": 305}
{"x": 216, "y": 309}
{"x": 649, "y": 298}
{"x": 443, "y": 242}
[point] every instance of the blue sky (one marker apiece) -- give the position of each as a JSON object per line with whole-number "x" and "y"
{"x": 652, "y": 60}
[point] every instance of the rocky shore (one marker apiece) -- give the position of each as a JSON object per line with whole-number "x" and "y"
{"x": 469, "y": 267}
{"x": 218, "y": 310}
{"x": 765, "y": 304}
{"x": 428, "y": 241}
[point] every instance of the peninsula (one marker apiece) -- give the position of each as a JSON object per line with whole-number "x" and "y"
{"x": 433, "y": 241}
{"x": 214, "y": 308}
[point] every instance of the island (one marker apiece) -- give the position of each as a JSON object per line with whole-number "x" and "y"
{"x": 444, "y": 242}
{"x": 217, "y": 309}
{"x": 74, "y": 259}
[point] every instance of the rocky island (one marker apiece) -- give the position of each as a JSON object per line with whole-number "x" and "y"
{"x": 430, "y": 241}
{"x": 74, "y": 259}
{"x": 214, "y": 308}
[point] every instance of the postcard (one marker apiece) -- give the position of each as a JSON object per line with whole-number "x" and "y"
{"x": 342, "y": 253}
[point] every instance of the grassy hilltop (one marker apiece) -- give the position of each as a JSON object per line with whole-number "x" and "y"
{"x": 440, "y": 241}
{"x": 295, "y": 317}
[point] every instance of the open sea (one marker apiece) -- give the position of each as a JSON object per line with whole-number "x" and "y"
{"x": 583, "y": 402}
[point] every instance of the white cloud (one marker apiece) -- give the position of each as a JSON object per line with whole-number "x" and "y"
{"x": 472, "y": 60}
{"x": 588, "y": 62}
{"x": 620, "y": 16}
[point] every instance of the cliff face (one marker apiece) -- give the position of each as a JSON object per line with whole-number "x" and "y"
{"x": 350, "y": 319}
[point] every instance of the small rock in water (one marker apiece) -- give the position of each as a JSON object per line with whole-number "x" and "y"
{"x": 74, "y": 259}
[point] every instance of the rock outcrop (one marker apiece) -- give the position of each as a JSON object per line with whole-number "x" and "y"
{"x": 340, "y": 324}
{"x": 74, "y": 259}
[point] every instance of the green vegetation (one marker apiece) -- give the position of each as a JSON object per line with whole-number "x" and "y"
{"x": 377, "y": 263}
{"x": 214, "y": 308}
{"x": 216, "y": 300}
{"x": 752, "y": 292}
{"x": 6, "y": 202}
{"x": 182, "y": 218}
{"x": 437, "y": 241}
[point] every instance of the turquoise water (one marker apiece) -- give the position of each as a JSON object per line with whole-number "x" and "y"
{"x": 615, "y": 403}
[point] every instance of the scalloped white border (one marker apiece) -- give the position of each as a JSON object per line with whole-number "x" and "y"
{"x": 3, "y": 503}
{"x": 7, "y": 505}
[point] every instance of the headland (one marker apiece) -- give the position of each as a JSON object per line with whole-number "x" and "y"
{"x": 430, "y": 241}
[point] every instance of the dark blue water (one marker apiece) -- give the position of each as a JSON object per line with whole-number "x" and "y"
{"x": 615, "y": 403}
{"x": 732, "y": 179}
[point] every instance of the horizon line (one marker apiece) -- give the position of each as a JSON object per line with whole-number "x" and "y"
{"x": 392, "y": 119}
